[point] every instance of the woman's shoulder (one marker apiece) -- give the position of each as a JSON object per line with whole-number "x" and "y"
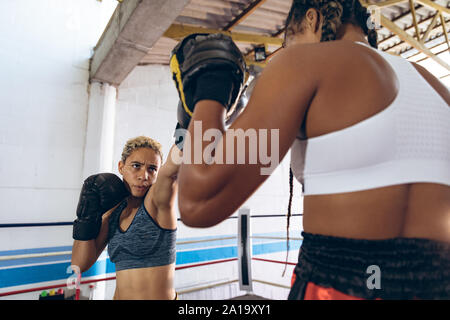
{"x": 324, "y": 48}
{"x": 325, "y": 56}
{"x": 343, "y": 57}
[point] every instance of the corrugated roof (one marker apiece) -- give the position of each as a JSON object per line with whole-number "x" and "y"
{"x": 266, "y": 18}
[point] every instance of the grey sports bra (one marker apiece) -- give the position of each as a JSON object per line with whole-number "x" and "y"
{"x": 144, "y": 244}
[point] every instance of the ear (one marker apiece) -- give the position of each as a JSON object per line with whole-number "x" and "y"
{"x": 120, "y": 166}
{"x": 313, "y": 17}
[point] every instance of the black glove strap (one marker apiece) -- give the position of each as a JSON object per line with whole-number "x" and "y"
{"x": 215, "y": 85}
{"x": 86, "y": 230}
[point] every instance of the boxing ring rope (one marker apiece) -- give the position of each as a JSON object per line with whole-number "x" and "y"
{"x": 177, "y": 268}
{"x": 35, "y": 255}
{"x": 214, "y": 285}
{"x": 61, "y": 253}
{"x": 69, "y": 224}
{"x": 274, "y": 238}
{"x": 273, "y": 261}
{"x": 36, "y": 289}
{"x": 271, "y": 284}
{"x": 9, "y": 293}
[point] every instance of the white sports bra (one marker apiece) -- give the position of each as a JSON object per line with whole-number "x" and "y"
{"x": 407, "y": 142}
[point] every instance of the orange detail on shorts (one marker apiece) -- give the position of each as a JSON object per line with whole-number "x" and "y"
{"x": 315, "y": 292}
{"x": 293, "y": 279}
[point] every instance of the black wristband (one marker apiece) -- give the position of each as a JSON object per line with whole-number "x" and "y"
{"x": 86, "y": 229}
{"x": 215, "y": 85}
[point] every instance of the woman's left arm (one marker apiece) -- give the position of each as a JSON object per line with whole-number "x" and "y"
{"x": 209, "y": 193}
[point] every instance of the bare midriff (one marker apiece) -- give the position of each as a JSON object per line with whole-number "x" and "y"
{"x": 419, "y": 210}
{"x": 153, "y": 283}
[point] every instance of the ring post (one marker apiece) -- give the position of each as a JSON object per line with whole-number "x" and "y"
{"x": 244, "y": 250}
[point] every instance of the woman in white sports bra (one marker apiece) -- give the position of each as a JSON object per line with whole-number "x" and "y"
{"x": 370, "y": 141}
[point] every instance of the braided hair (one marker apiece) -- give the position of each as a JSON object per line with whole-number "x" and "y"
{"x": 291, "y": 192}
{"x": 335, "y": 14}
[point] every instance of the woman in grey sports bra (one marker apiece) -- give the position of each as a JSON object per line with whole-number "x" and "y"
{"x": 140, "y": 231}
{"x": 382, "y": 237}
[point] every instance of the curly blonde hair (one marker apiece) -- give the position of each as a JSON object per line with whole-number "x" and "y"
{"x": 141, "y": 142}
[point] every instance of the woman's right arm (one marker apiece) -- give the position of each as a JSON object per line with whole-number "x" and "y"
{"x": 86, "y": 253}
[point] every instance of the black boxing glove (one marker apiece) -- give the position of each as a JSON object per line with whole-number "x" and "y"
{"x": 206, "y": 67}
{"x": 100, "y": 192}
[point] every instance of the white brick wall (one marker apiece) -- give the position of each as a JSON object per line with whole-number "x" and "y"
{"x": 44, "y": 61}
{"x": 147, "y": 105}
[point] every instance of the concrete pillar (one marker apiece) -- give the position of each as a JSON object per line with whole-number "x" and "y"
{"x": 98, "y": 153}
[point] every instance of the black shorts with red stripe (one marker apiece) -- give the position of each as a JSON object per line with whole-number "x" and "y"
{"x": 399, "y": 268}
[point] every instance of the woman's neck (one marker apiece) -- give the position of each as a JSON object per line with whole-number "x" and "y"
{"x": 351, "y": 32}
{"x": 133, "y": 202}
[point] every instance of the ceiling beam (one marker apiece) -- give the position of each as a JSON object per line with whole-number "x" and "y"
{"x": 426, "y": 58}
{"x": 413, "y": 13}
{"x": 411, "y": 41}
{"x": 420, "y": 23}
{"x": 261, "y": 64}
{"x": 430, "y": 28}
{"x": 431, "y": 48}
{"x": 393, "y": 47}
{"x": 434, "y": 6}
{"x": 177, "y": 32}
{"x": 133, "y": 29}
{"x": 382, "y": 4}
{"x": 244, "y": 14}
{"x": 444, "y": 28}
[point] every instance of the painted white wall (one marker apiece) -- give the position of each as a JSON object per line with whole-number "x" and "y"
{"x": 56, "y": 129}
{"x": 44, "y": 97}
{"x": 146, "y": 105}
{"x": 44, "y": 58}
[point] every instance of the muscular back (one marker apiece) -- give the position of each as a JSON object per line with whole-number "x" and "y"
{"x": 357, "y": 84}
